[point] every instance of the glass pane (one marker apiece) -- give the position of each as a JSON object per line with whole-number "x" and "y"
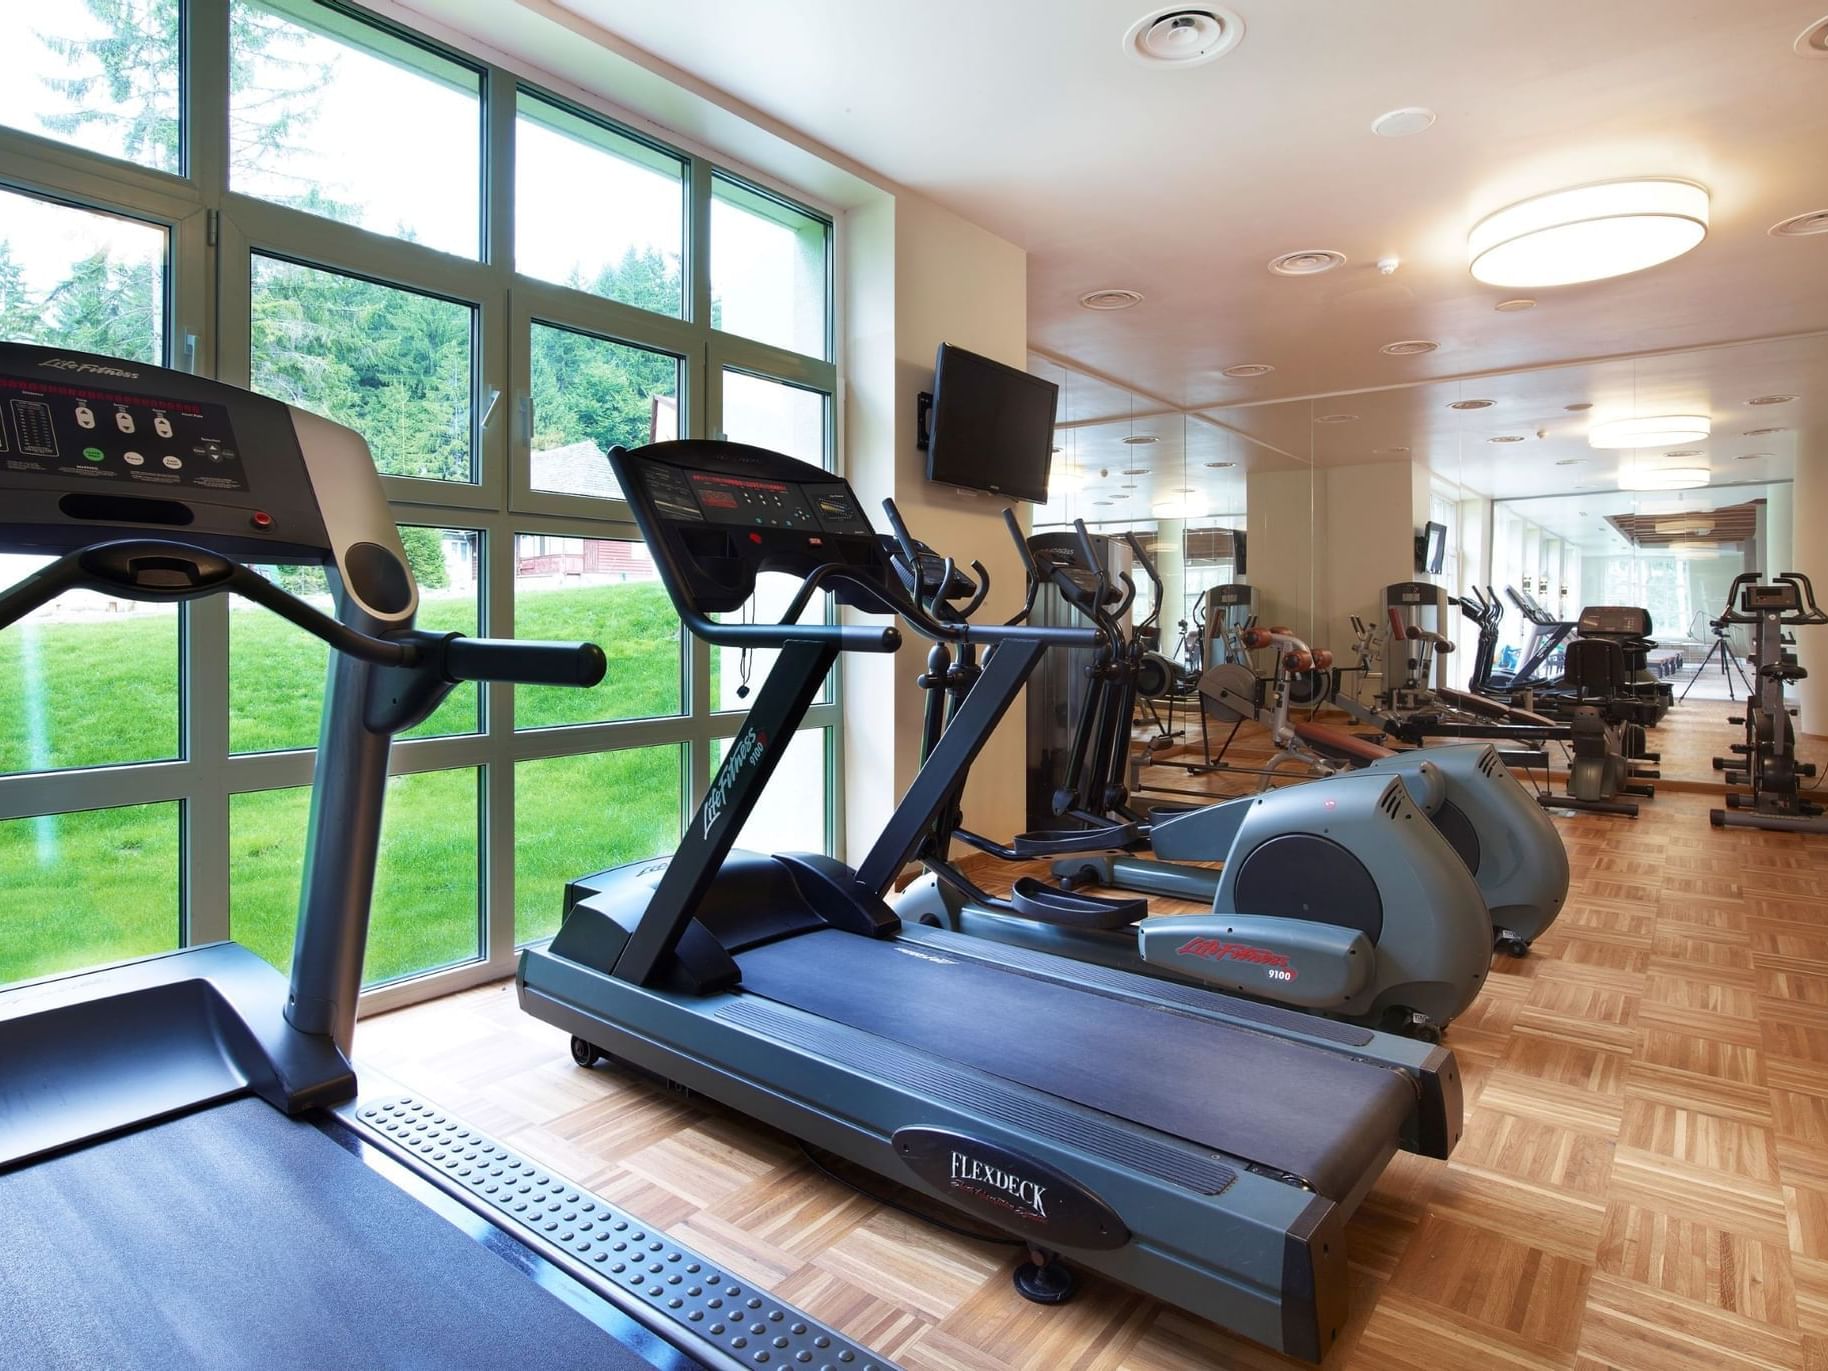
{"x": 735, "y": 669}
{"x": 426, "y": 909}
{"x": 768, "y": 276}
{"x": 597, "y": 211}
{"x": 78, "y": 279}
{"x": 105, "y": 77}
{"x": 606, "y": 592}
{"x": 277, "y": 672}
{"x": 90, "y": 680}
{"x": 776, "y": 416}
{"x": 792, "y": 813}
{"x": 344, "y": 120}
{"x": 95, "y": 886}
{"x": 575, "y": 815}
{"x": 394, "y": 365}
{"x": 590, "y": 394}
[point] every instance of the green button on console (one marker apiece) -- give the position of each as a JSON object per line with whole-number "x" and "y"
{"x": 94, "y": 454}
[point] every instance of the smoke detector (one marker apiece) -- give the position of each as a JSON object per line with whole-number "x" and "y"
{"x": 1243, "y": 371}
{"x": 1472, "y": 404}
{"x": 1111, "y": 299}
{"x": 1401, "y": 123}
{"x": 1183, "y": 36}
{"x": 1801, "y": 225}
{"x": 1408, "y": 347}
{"x": 1307, "y": 262}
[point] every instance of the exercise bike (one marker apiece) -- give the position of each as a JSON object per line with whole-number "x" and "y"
{"x": 1766, "y": 762}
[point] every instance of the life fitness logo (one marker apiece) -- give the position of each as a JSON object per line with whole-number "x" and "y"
{"x": 746, "y": 753}
{"x": 999, "y": 1186}
{"x": 1275, "y": 964}
{"x": 69, "y": 364}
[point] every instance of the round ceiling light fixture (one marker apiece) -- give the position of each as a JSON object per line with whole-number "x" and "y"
{"x": 1335, "y": 418}
{"x": 1662, "y": 478}
{"x": 1244, "y": 371}
{"x": 1136, "y": 471}
{"x": 1588, "y": 233}
{"x": 1186, "y": 506}
{"x": 1472, "y": 404}
{"x": 1753, "y": 456}
{"x": 1659, "y": 430}
{"x": 1770, "y": 399}
{"x": 1506, "y": 438}
{"x": 1307, "y": 262}
{"x": 1684, "y": 452}
{"x": 1183, "y": 35}
{"x": 1801, "y": 225}
{"x": 1571, "y": 461}
{"x": 1140, "y": 440}
{"x": 1759, "y": 432}
{"x": 1812, "y": 41}
{"x": 1409, "y": 347}
{"x": 1516, "y": 306}
{"x": 1401, "y": 123}
{"x": 1220, "y": 466}
{"x": 1111, "y": 298}
{"x": 1579, "y": 407}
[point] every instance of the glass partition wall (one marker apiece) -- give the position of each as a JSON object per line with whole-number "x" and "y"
{"x": 493, "y": 285}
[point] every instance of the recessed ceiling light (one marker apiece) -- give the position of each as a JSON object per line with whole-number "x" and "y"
{"x": 1136, "y": 471}
{"x": 1516, "y": 306}
{"x": 1579, "y": 407}
{"x": 1684, "y": 452}
{"x": 1397, "y": 451}
{"x": 1801, "y": 225}
{"x": 1662, "y": 478}
{"x": 1308, "y": 262}
{"x": 1770, "y": 399}
{"x": 1753, "y": 456}
{"x": 1400, "y": 123}
{"x": 1117, "y": 497}
{"x": 1408, "y": 347}
{"x": 1335, "y": 418}
{"x": 1658, "y": 430}
{"x": 1243, "y": 371}
{"x": 1101, "y": 502}
{"x": 1110, "y": 298}
{"x": 1472, "y": 404}
{"x": 1220, "y": 466}
{"x": 1140, "y": 440}
{"x": 1588, "y": 233}
{"x": 1570, "y": 461}
{"x": 1759, "y": 432}
{"x": 1812, "y": 41}
{"x": 1183, "y": 36}
{"x": 1506, "y": 438}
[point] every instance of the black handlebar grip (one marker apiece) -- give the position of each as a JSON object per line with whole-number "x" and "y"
{"x": 524, "y": 663}
{"x": 1015, "y": 531}
{"x": 900, "y": 529}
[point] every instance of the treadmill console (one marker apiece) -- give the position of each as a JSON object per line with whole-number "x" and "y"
{"x": 1231, "y": 596}
{"x": 1614, "y": 621}
{"x": 719, "y": 514}
{"x": 1778, "y": 597}
{"x": 93, "y": 448}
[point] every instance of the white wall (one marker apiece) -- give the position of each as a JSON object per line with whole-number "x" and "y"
{"x": 918, "y": 275}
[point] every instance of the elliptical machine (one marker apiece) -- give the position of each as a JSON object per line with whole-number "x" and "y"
{"x": 1766, "y": 762}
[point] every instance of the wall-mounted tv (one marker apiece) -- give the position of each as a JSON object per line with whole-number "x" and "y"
{"x": 1431, "y": 548}
{"x": 992, "y": 426}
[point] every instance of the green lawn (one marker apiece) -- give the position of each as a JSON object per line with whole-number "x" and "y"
{"x": 101, "y": 885}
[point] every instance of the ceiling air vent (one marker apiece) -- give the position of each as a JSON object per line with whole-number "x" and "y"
{"x": 1110, "y": 299}
{"x": 1183, "y": 36}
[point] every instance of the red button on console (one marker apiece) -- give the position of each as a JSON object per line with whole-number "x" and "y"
{"x": 262, "y": 519}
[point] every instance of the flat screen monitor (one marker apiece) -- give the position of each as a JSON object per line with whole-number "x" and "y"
{"x": 1431, "y": 548}
{"x": 992, "y": 426}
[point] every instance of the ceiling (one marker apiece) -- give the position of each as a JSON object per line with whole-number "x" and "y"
{"x": 1593, "y": 522}
{"x": 1026, "y": 117}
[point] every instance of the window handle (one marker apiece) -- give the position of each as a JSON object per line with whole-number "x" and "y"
{"x": 488, "y": 407}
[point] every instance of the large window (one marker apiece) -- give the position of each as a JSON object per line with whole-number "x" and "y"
{"x": 321, "y": 230}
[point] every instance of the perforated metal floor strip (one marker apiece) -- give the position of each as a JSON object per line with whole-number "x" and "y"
{"x": 683, "y": 1287}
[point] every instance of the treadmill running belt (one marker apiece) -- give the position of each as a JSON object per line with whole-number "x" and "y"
{"x": 1298, "y": 1109}
{"x": 236, "y": 1238}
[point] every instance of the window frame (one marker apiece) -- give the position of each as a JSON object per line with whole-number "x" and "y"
{"x": 215, "y": 234}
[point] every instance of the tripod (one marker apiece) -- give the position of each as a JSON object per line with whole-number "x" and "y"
{"x": 1727, "y": 656}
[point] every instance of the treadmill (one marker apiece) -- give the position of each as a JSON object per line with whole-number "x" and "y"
{"x": 188, "y": 1174}
{"x": 1202, "y": 1148}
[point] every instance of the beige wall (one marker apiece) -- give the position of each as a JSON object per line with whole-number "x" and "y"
{"x": 1371, "y": 523}
{"x": 951, "y": 282}
{"x": 1809, "y": 552}
{"x": 1280, "y": 517}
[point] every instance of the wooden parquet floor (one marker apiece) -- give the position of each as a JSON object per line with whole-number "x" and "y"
{"x": 1643, "y": 1183}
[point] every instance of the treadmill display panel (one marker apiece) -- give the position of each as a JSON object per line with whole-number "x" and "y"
{"x": 1782, "y": 598}
{"x": 751, "y": 501}
{"x": 104, "y": 437}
